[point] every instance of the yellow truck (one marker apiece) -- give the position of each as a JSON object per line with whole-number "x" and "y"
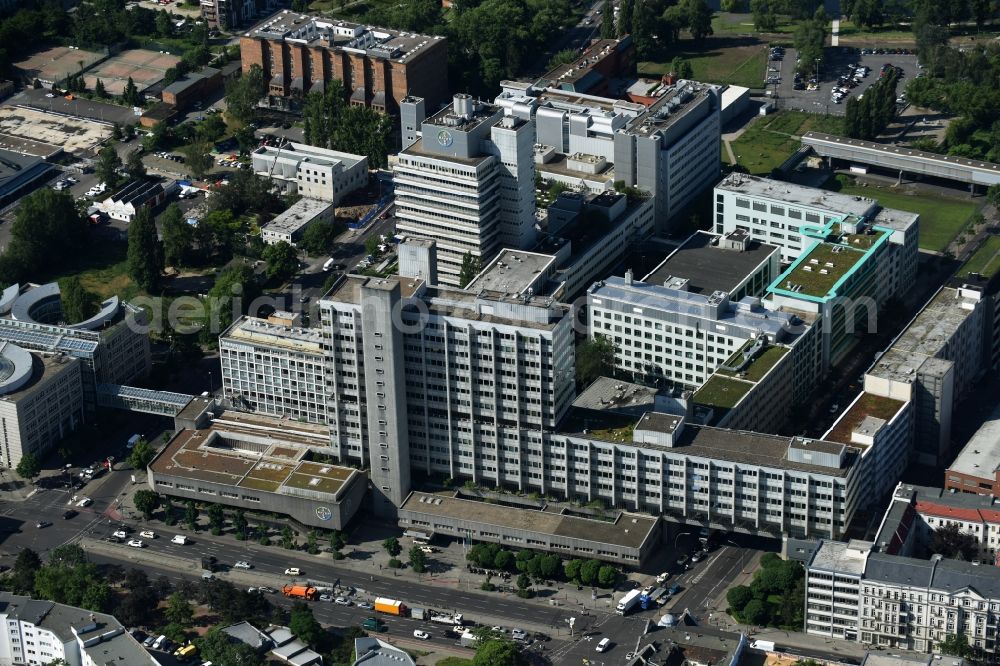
{"x": 390, "y": 606}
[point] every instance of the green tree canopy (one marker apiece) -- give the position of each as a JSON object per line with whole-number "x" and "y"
{"x": 282, "y": 261}
{"x": 497, "y": 652}
{"x": 951, "y": 542}
{"x": 178, "y": 237}
{"x": 738, "y": 597}
{"x": 141, "y": 455}
{"x": 392, "y": 547}
{"x": 243, "y": 93}
{"x": 145, "y": 254}
{"x": 134, "y": 166}
{"x": 594, "y": 358}
{"x": 29, "y": 466}
{"x": 319, "y": 237}
{"x": 418, "y": 559}
{"x": 146, "y": 501}
{"x": 304, "y": 626}
{"x": 198, "y": 159}
{"x": 106, "y": 169}
{"x": 470, "y": 269}
{"x": 78, "y": 304}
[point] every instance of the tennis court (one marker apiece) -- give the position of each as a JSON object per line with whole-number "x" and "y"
{"x": 146, "y": 68}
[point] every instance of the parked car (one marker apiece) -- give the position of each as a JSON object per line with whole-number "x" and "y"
{"x": 70, "y": 513}
{"x": 42, "y": 523}
{"x": 342, "y": 601}
{"x": 326, "y": 597}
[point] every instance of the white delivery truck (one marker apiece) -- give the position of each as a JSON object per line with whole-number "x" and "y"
{"x": 628, "y": 602}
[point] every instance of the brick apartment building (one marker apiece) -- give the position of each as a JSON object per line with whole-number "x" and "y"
{"x": 300, "y": 54}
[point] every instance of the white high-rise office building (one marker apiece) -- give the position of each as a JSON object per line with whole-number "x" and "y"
{"x": 467, "y": 183}
{"x": 668, "y": 149}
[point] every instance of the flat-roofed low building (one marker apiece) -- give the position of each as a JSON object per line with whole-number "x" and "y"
{"x": 19, "y": 173}
{"x": 316, "y": 173}
{"x": 613, "y": 536}
{"x": 976, "y": 469}
{"x": 259, "y": 463}
{"x": 733, "y": 262}
{"x": 292, "y": 223}
{"x": 981, "y": 271}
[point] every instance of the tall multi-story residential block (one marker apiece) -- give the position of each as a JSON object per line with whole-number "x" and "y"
{"x": 882, "y": 429}
{"x": 272, "y": 368}
{"x": 437, "y": 380}
{"x": 315, "y": 173}
{"x": 665, "y": 149}
{"x": 231, "y": 14}
{"x": 982, "y": 271}
{"x": 793, "y": 217}
{"x": 833, "y": 588}
{"x": 378, "y": 67}
{"x": 668, "y": 335}
{"x": 933, "y": 364}
{"x": 37, "y": 632}
{"x": 976, "y": 469}
{"x": 112, "y": 346}
{"x": 468, "y": 184}
{"x": 41, "y": 401}
{"x": 851, "y": 268}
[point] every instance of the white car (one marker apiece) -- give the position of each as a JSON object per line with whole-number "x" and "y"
{"x": 136, "y": 543}
{"x": 147, "y": 534}
{"x": 342, "y": 601}
{"x": 86, "y": 501}
{"x": 120, "y": 534}
{"x": 49, "y": 95}
{"x": 293, "y": 571}
{"x": 663, "y": 577}
{"x": 422, "y": 635}
{"x": 179, "y": 539}
{"x": 243, "y": 564}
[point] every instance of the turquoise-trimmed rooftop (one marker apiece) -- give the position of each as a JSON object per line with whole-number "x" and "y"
{"x": 822, "y": 270}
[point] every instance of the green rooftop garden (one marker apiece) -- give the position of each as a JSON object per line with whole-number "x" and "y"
{"x": 810, "y": 271}
{"x": 260, "y": 484}
{"x": 614, "y": 434}
{"x": 758, "y": 367}
{"x": 721, "y": 391}
{"x": 985, "y": 261}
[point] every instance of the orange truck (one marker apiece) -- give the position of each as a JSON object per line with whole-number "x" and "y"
{"x": 300, "y": 592}
{"x": 390, "y": 606}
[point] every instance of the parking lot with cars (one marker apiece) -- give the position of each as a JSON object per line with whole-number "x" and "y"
{"x": 817, "y": 97}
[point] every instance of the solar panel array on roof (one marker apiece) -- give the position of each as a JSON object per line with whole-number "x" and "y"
{"x": 148, "y": 394}
{"x": 46, "y": 341}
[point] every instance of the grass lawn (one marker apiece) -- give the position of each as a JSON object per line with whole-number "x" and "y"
{"x": 742, "y": 24}
{"x": 852, "y": 35}
{"x": 985, "y": 261}
{"x": 101, "y": 269}
{"x": 769, "y": 141}
{"x": 730, "y": 60}
{"x": 941, "y": 217}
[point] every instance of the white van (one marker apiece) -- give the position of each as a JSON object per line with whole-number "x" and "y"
{"x": 158, "y": 643}
{"x": 179, "y": 538}
{"x": 604, "y": 645}
{"x": 328, "y": 265}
